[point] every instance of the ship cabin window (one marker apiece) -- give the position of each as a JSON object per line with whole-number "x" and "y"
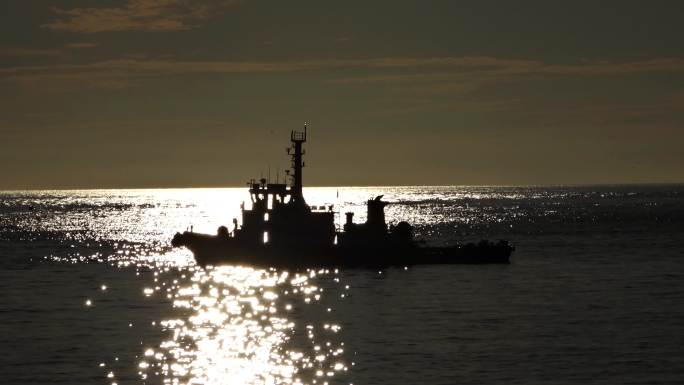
{"x": 269, "y": 204}
{"x": 265, "y": 236}
{"x": 266, "y": 217}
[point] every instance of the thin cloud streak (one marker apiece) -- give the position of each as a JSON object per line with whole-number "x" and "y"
{"x": 475, "y": 69}
{"x": 36, "y": 52}
{"x": 138, "y": 15}
{"x": 83, "y": 45}
{"x": 29, "y": 52}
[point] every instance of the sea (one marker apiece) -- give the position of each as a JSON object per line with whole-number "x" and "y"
{"x": 91, "y": 292}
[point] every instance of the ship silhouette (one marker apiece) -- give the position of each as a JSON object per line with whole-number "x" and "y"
{"x": 282, "y": 230}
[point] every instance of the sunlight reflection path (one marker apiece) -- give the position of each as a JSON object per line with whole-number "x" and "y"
{"x": 240, "y": 330}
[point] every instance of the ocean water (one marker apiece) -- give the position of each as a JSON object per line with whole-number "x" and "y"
{"x": 92, "y": 293}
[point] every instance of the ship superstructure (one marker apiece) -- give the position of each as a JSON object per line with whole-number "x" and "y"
{"x": 280, "y": 216}
{"x": 281, "y": 229}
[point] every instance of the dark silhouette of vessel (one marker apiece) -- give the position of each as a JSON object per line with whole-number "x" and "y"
{"x": 281, "y": 230}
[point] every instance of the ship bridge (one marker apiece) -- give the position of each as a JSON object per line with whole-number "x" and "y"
{"x": 279, "y": 213}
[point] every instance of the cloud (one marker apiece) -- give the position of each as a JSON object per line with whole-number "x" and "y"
{"x": 441, "y": 74}
{"x": 618, "y": 68}
{"x": 448, "y": 67}
{"x": 37, "y": 52}
{"x": 82, "y": 45}
{"x": 138, "y": 15}
{"x": 29, "y": 52}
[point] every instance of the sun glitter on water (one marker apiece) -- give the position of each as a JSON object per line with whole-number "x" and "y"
{"x": 241, "y": 329}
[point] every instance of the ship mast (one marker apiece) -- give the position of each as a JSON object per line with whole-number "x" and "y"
{"x": 297, "y": 138}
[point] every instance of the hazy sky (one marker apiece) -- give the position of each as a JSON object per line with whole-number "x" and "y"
{"x": 168, "y": 93}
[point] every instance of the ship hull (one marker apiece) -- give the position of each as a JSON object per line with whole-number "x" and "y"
{"x": 217, "y": 250}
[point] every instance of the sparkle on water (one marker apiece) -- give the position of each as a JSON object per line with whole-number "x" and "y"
{"x": 239, "y": 329}
{"x": 240, "y": 325}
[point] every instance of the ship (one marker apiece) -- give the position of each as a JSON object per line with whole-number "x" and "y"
{"x": 281, "y": 230}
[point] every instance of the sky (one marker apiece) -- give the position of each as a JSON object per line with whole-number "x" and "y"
{"x": 179, "y": 93}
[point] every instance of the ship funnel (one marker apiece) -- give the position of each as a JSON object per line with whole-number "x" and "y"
{"x": 350, "y": 217}
{"x": 376, "y": 213}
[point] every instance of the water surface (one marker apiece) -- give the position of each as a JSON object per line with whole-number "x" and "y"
{"x": 91, "y": 292}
